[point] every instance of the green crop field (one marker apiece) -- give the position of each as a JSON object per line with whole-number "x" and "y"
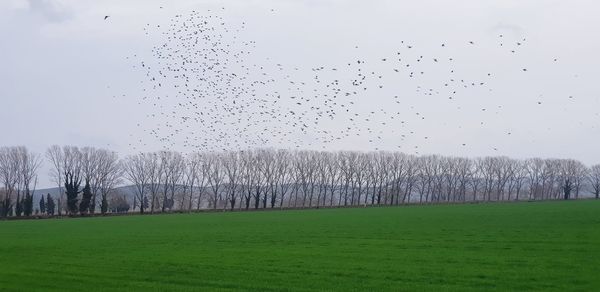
{"x": 505, "y": 246}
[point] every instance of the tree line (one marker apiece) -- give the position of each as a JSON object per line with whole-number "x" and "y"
{"x": 165, "y": 181}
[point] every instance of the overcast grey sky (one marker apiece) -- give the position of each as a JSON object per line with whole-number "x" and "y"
{"x": 65, "y": 79}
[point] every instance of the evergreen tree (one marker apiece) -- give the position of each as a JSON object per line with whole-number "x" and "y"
{"x": 50, "y": 205}
{"x": 5, "y": 209}
{"x": 19, "y": 206}
{"x": 145, "y": 204}
{"x": 568, "y": 186}
{"x": 104, "y": 205}
{"x": 72, "y": 184}
{"x": 92, "y": 208}
{"x": 42, "y": 205}
{"x": 28, "y": 204}
{"x": 86, "y": 197}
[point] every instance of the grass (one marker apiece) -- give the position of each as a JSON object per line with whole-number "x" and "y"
{"x": 522, "y": 246}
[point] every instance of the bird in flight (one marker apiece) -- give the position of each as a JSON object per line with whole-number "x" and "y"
{"x": 107, "y": 16}
{"x": 221, "y": 99}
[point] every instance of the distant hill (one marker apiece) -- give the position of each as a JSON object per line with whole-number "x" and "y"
{"x": 129, "y": 191}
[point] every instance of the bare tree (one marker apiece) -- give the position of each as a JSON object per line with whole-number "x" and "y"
{"x": 72, "y": 173}
{"x": 381, "y": 176}
{"x": 503, "y": 172}
{"x": 193, "y": 169}
{"x": 306, "y": 167}
{"x": 109, "y": 174}
{"x": 518, "y": 178}
{"x": 268, "y": 172}
{"x": 215, "y": 177}
{"x": 231, "y": 164}
{"x": 177, "y": 167}
{"x": 594, "y": 179}
{"x": 55, "y": 155}
{"x": 202, "y": 180}
{"x": 534, "y": 172}
{"x": 464, "y": 171}
{"x": 29, "y": 165}
{"x": 322, "y": 176}
{"x": 267, "y": 178}
{"x": 154, "y": 170}
{"x": 344, "y": 162}
{"x": 9, "y": 168}
{"x": 249, "y": 174}
{"x": 137, "y": 172}
{"x": 487, "y": 167}
{"x": 90, "y": 173}
{"x": 172, "y": 171}
{"x": 333, "y": 175}
{"x": 360, "y": 177}
{"x": 282, "y": 176}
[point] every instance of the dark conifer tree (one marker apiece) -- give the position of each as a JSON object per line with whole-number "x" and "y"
{"x": 42, "y": 205}
{"x": 86, "y": 197}
{"x": 144, "y": 204}
{"x": 104, "y": 205}
{"x": 28, "y": 204}
{"x": 50, "y": 205}
{"x": 19, "y": 206}
{"x": 72, "y": 184}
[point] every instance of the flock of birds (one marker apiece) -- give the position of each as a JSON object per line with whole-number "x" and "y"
{"x": 209, "y": 91}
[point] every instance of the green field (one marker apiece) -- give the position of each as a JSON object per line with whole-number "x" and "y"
{"x": 505, "y": 246}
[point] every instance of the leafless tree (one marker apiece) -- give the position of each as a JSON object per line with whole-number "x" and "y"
{"x": 572, "y": 175}
{"x": 193, "y": 169}
{"x": 534, "y": 172}
{"x": 282, "y": 176}
{"x": 361, "y": 167}
{"x": 464, "y": 173}
{"x": 202, "y": 178}
{"x": 269, "y": 178}
{"x": 518, "y": 179}
{"x": 345, "y": 164}
{"x": 503, "y": 173}
{"x": 216, "y": 176}
{"x": 90, "y": 173}
{"x": 594, "y": 180}
{"x": 71, "y": 167}
{"x": 381, "y": 176}
{"x": 248, "y": 174}
{"x": 109, "y": 174}
{"x": 177, "y": 169}
{"x": 333, "y": 176}
{"x": 487, "y": 167}
{"x": 9, "y": 168}
{"x": 55, "y": 155}
{"x": 29, "y": 164}
{"x": 231, "y": 165}
{"x": 268, "y": 169}
{"x": 101, "y": 171}
{"x": 154, "y": 170}
{"x": 172, "y": 166}
{"x": 258, "y": 178}
{"x": 137, "y": 172}
{"x": 306, "y": 172}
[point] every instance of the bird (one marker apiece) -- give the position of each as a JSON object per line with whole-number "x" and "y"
{"x": 207, "y": 87}
{"x": 106, "y": 17}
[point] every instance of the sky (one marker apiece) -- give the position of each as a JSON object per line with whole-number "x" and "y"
{"x": 69, "y": 77}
